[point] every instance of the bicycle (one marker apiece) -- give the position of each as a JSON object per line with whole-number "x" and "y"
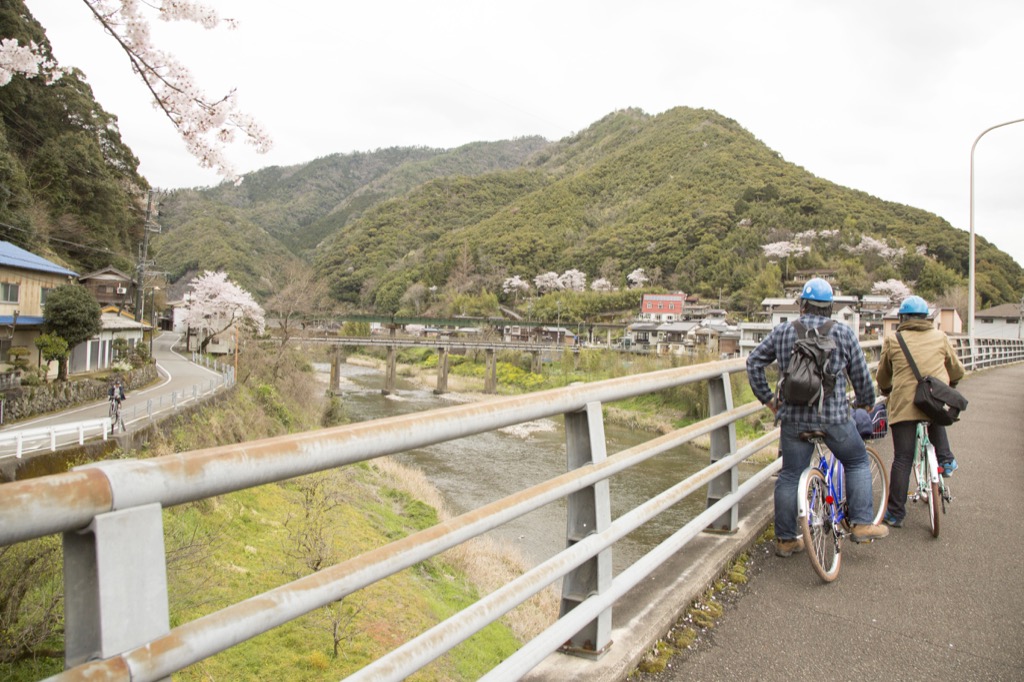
{"x": 822, "y": 511}
{"x": 931, "y": 486}
{"x": 115, "y": 415}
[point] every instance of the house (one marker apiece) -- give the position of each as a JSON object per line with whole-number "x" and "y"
{"x": 752, "y": 334}
{"x": 673, "y": 337}
{"x": 662, "y": 307}
{"x": 98, "y": 353}
{"x": 25, "y": 281}
{"x": 110, "y": 287}
{"x": 999, "y": 322}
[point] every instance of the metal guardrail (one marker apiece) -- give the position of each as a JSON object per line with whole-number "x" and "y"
{"x": 48, "y": 436}
{"x": 987, "y": 352}
{"x": 116, "y": 611}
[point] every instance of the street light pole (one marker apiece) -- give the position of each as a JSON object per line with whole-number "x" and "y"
{"x": 970, "y": 278}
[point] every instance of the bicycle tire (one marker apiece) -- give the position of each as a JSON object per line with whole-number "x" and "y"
{"x": 879, "y": 484}
{"x": 815, "y": 518}
{"x": 934, "y": 502}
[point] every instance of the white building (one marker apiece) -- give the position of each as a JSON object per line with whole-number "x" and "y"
{"x": 999, "y": 322}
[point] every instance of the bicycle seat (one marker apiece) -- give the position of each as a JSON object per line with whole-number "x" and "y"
{"x": 811, "y": 435}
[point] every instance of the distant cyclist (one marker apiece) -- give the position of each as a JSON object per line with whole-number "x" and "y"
{"x": 116, "y": 392}
{"x": 934, "y": 356}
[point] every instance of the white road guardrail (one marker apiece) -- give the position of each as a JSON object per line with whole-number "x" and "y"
{"x": 27, "y": 438}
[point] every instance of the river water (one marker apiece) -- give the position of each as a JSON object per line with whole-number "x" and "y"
{"x": 476, "y": 470}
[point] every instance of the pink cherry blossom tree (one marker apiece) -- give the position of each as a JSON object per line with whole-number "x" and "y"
{"x": 637, "y": 278}
{"x": 205, "y": 124}
{"x": 547, "y": 282}
{"x": 216, "y": 304}
{"x": 573, "y": 280}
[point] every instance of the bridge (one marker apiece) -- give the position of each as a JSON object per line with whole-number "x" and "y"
{"x": 116, "y": 606}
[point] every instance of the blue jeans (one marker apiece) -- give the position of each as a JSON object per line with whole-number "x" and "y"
{"x": 847, "y": 445}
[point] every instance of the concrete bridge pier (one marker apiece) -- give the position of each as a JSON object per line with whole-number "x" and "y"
{"x": 335, "y": 385}
{"x": 442, "y": 371}
{"x": 390, "y": 371}
{"x": 491, "y": 371}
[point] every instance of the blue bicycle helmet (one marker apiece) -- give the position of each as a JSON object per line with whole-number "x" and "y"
{"x": 817, "y": 290}
{"x": 913, "y": 305}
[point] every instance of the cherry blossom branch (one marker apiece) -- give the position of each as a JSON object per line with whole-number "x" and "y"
{"x": 205, "y": 125}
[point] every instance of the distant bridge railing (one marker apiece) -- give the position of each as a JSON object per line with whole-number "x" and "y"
{"x": 116, "y": 604}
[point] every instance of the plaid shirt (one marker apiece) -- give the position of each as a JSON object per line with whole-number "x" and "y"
{"x": 847, "y": 361}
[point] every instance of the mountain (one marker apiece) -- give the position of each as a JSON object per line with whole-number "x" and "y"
{"x": 71, "y": 191}
{"x": 687, "y": 195}
{"x": 286, "y": 212}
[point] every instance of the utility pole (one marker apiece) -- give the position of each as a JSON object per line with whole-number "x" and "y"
{"x": 140, "y": 283}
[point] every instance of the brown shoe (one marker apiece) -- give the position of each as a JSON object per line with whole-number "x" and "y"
{"x": 785, "y": 548}
{"x": 866, "y": 532}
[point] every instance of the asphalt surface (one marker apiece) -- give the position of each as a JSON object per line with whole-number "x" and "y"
{"x": 180, "y": 380}
{"x": 909, "y": 607}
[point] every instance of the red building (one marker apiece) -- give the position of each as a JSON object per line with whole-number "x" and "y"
{"x": 662, "y": 307}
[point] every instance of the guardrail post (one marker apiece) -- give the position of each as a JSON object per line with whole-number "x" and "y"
{"x": 442, "y": 371}
{"x": 115, "y": 584}
{"x": 588, "y": 511}
{"x": 723, "y": 443}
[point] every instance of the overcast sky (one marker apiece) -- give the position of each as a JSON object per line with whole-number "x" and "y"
{"x": 882, "y": 96}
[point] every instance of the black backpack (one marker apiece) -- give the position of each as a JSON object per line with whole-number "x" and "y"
{"x": 806, "y": 380}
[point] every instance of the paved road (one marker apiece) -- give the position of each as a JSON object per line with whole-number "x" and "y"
{"x": 180, "y": 380}
{"x": 909, "y": 607}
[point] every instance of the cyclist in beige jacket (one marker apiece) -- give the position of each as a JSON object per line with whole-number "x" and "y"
{"x": 935, "y": 357}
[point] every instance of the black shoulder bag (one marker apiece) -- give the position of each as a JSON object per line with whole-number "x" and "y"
{"x": 941, "y": 403}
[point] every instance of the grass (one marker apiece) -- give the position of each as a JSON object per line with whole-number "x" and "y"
{"x": 227, "y": 549}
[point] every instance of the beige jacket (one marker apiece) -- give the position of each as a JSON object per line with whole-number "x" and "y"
{"x": 932, "y": 353}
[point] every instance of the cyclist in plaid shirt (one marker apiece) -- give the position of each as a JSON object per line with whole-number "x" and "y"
{"x": 835, "y": 419}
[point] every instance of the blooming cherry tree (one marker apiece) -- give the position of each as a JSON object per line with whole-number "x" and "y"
{"x": 205, "y": 124}
{"x": 637, "y": 278}
{"x": 893, "y": 288}
{"x": 601, "y": 284}
{"x": 783, "y": 249}
{"x": 547, "y": 282}
{"x": 573, "y": 280}
{"x": 216, "y": 304}
{"x": 515, "y": 285}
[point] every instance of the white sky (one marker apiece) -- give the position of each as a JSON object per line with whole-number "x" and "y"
{"x": 882, "y": 96}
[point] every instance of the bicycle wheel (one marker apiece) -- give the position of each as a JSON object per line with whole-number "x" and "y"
{"x": 934, "y": 504}
{"x": 879, "y": 484}
{"x": 815, "y": 517}
{"x": 113, "y": 409}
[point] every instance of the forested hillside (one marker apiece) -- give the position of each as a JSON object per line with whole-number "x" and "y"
{"x": 688, "y": 195}
{"x": 297, "y": 207}
{"x": 69, "y": 187}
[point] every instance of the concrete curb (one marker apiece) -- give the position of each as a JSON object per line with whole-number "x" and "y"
{"x": 650, "y": 609}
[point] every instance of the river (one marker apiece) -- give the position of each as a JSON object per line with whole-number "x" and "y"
{"x": 476, "y": 470}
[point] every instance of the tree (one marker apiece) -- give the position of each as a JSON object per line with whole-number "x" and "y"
{"x": 637, "y": 278}
{"x": 216, "y": 304}
{"x": 573, "y": 280}
{"x": 547, "y": 282}
{"x": 72, "y": 314}
{"x": 204, "y": 124}
{"x": 515, "y": 285}
{"x": 52, "y": 347}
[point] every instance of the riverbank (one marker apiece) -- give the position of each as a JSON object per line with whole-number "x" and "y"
{"x": 471, "y": 388}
